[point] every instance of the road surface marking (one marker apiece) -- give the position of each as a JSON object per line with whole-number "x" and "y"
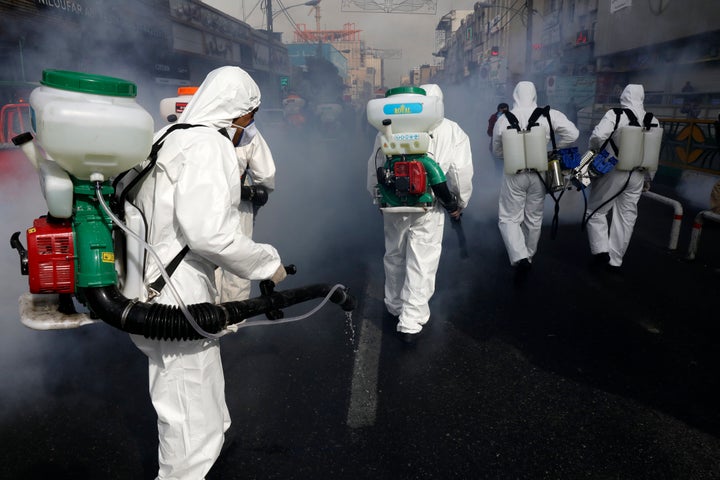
{"x": 363, "y": 391}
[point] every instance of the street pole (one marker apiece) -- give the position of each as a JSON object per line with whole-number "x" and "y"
{"x": 529, "y": 38}
{"x": 317, "y": 30}
{"x": 268, "y": 6}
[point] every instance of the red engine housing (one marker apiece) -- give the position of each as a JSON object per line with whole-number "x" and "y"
{"x": 51, "y": 256}
{"x": 412, "y": 175}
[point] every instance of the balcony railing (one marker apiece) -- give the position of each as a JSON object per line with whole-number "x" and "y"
{"x": 14, "y": 120}
{"x": 691, "y": 144}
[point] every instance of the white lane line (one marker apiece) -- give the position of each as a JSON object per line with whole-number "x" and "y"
{"x": 363, "y": 391}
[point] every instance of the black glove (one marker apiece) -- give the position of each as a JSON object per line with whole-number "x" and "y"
{"x": 450, "y": 206}
{"x": 257, "y": 194}
{"x": 446, "y": 197}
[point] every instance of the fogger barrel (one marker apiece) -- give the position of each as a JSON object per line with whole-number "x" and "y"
{"x": 167, "y": 322}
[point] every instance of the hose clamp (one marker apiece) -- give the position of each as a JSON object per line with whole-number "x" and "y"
{"x": 227, "y": 315}
{"x": 126, "y": 311}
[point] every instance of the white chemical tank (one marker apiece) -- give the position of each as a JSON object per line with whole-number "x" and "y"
{"x": 524, "y": 150}
{"x": 639, "y": 148}
{"x": 409, "y": 109}
{"x": 172, "y": 107}
{"x": 90, "y": 123}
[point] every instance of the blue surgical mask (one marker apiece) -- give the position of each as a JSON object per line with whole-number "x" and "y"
{"x": 247, "y": 134}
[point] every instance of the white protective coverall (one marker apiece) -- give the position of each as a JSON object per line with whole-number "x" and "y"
{"x": 624, "y": 206}
{"x": 191, "y": 198}
{"x": 522, "y": 195}
{"x": 257, "y": 161}
{"x": 413, "y": 241}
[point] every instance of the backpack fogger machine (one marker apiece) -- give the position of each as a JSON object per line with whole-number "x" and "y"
{"x": 526, "y": 149}
{"x": 87, "y": 129}
{"x": 409, "y": 180}
{"x": 636, "y": 146}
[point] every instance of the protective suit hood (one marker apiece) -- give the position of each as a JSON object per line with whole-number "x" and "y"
{"x": 225, "y": 94}
{"x": 433, "y": 90}
{"x": 633, "y": 97}
{"x": 525, "y": 95}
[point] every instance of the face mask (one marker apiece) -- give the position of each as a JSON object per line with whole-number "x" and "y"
{"x": 246, "y": 135}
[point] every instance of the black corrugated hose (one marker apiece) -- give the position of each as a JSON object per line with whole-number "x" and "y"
{"x": 167, "y": 322}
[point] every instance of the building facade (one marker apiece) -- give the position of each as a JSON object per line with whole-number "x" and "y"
{"x": 580, "y": 52}
{"x": 159, "y": 44}
{"x": 363, "y": 72}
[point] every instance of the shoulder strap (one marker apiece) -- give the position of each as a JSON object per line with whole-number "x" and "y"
{"x": 618, "y": 114}
{"x": 647, "y": 121}
{"x": 532, "y": 121}
{"x": 544, "y": 111}
{"x": 153, "y": 159}
{"x": 514, "y": 122}
{"x": 631, "y": 116}
{"x": 159, "y": 284}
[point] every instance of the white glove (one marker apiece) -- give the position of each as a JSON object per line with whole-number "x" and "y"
{"x": 279, "y": 275}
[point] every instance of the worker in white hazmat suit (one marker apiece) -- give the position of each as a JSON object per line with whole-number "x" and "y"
{"x": 257, "y": 167}
{"x": 522, "y": 195}
{"x": 413, "y": 241}
{"x": 626, "y": 187}
{"x": 191, "y": 199}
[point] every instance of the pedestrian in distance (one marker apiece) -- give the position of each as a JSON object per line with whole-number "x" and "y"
{"x": 501, "y": 109}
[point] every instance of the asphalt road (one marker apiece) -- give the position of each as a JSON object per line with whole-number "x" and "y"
{"x": 573, "y": 373}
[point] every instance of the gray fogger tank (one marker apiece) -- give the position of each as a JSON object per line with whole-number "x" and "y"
{"x": 87, "y": 129}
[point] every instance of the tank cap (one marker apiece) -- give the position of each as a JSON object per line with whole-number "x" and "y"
{"x": 187, "y": 90}
{"x": 88, "y": 83}
{"x": 406, "y": 89}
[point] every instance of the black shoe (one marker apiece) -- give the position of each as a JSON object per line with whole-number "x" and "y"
{"x": 228, "y": 442}
{"x": 523, "y": 265}
{"x": 389, "y": 316}
{"x": 602, "y": 258}
{"x": 614, "y": 270}
{"x": 409, "y": 339}
{"x": 522, "y": 269}
{"x": 389, "y": 321}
